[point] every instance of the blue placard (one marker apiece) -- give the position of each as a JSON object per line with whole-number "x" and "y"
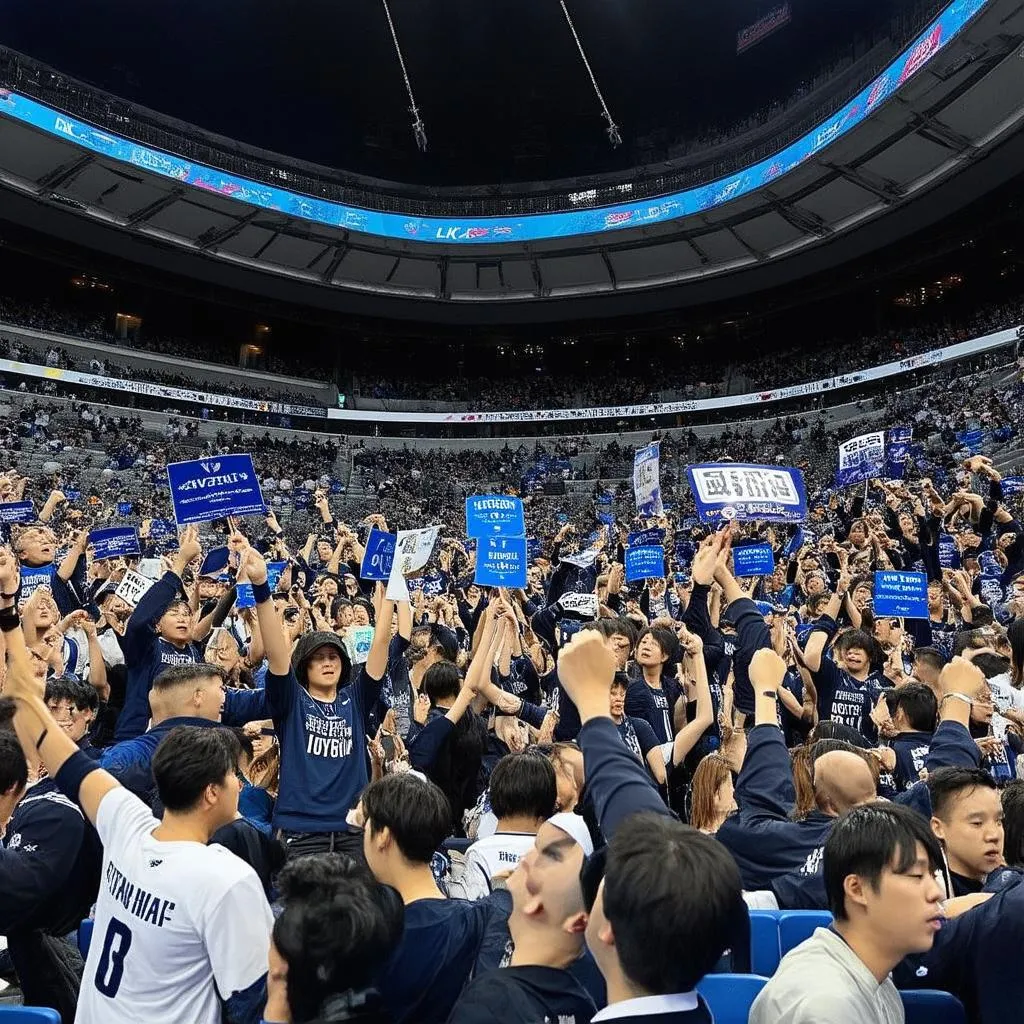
{"x": 753, "y": 560}
{"x": 796, "y": 542}
{"x": 991, "y": 589}
{"x": 222, "y": 485}
{"x": 161, "y": 528}
{"x": 861, "y": 458}
{"x": 606, "y": 518}
{"x": 533, "y": 548}
{"x": 647, "y": 480}
{"x": 972, "y": 440}
{"x": 378, "y": 555}
{"x": 897, "y": 448}
{"x": 274, "y": 572}
{"x": 642, "y": 538}
{"x": 433, "y": 586}
{"x": 732, "y": 490}
{"x": 215, "y": 562}
{"x": 645, "y": 562}
{"x": 114, "y": 542}
{"x": 72, "y": 496}
{"x": 1012, "y": 485}
{"x": 904, "y": 594}
{"x": 17, "y": 512}
{"x": 244, "y": 596}
{"x": 494, "y": 515}
{"x": 949, "y": 553}
{"x": 124, "y": 508}
{"x": 501, "y": 562}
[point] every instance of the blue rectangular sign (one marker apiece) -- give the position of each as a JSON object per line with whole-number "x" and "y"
{"x": 897, "y": 448}
{"x": 274, "y": 572}
{"x": 124, "y": 508}
{"x": 378, "y": 555}
{"x": 730, "y": 490}
{"x": 949, "y": 553}
{"x": 1012, "y": 485}
{"x": 114, "y": 542}
{"x": 501, "y": 562}
{"x": 753, "y": 560}
{"x": 17, "y": 512}
{"x": 495, "y": 515}
{"x": 641, "y": 538}
{"x": 244, "y": 596}
{"x": 206, "y": 489}
{"x": 901, "y": 593}
{"x": 645, "y": 562}
{"x": 161, "y": 528}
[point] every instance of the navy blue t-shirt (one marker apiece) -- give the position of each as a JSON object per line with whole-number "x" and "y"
{"x": 323, "y": 751}
{"x": 637, "y": 734}
{"x": 841, "y": 698}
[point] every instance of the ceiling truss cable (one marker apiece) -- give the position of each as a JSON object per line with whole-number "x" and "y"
{"x": 419, "y": 129}
{"x": 612, "y": 128}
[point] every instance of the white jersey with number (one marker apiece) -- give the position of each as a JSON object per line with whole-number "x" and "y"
{"x": 179, "y": 925}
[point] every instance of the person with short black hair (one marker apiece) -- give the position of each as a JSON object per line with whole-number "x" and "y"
{"x": 1012, "y": 799}
{"x": 914, "y": 712}
{"x": 74, "y": 704}
{"x": 647, "y": 907}
{"x": 522, "y": 793}
{"x": 337, "y": 926}
{"x": 182, "y": 929}
{"x": 880, "y": 864}
{"x": 967, "y": 819}
{"x": 406, "y": 818}
{"x": 928, "y": 662}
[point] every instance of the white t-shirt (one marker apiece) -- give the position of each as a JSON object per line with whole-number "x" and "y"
{"x": 494, "y": 855}
{"x": 179, "y": 925}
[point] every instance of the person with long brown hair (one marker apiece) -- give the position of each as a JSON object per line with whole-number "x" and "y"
{"x": 713, "y": 799}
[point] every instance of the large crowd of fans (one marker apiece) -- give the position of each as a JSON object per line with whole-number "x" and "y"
{"x": 286, "y": 796}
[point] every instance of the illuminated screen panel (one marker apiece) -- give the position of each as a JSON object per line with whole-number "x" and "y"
{"x": 526, "y": 228}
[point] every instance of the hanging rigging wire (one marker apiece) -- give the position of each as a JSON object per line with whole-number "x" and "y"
{"x": 419, "y": 129}
{"x": 613, "y": 129}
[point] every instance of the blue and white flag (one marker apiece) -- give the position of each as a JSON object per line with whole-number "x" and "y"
{"x": 378, "y": 555}
{"x": 501, "y": 562}
{"x": 495, "y": 515}
{"x": 17, "y": 512}
{"x": 647, "y": 480}
{"x": 114, "y": 542}
{"x": 730, "y": 490}
{"x": 753, "y": 560}
{"x": 640, "y": 538}
{"x": 861, "y": 458}
{"x": 206, "y": 489}
{"x": 1012, "y": 486}
{"x": 972, "y": 440}
{"x": 897, "y": 448}
{"x": 949, "y": 553}
{"x": 645, "y": 562}
{"x": 904, "y": 594}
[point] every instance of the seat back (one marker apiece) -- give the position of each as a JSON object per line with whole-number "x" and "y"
{"x": 730, "y": 996}
{"x": 765, "y": 951}
{"x": 929, "y": 1006}
{"x": 796, "y": 926}
{"x": 28, "y": 1015}
{"x": 84, "y": 937}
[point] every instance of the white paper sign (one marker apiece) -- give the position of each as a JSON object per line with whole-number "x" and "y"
{"x": 133, "y": 587}
{"x": 579, "y": 604}
{"x": 412, "y": 552}
{"x": 150, "y": 568}
{"x": 584, "y": 560}
{"x": 360, "y": 639}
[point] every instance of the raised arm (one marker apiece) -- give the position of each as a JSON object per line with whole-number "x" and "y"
{"x": 37, "y": 729}
{"x": 618, "y": 784}
{"x": 690, "y": 733}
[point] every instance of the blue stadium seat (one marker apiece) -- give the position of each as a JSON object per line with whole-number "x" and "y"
{"x": 28, "y": 1015}
{"x": 730, "y": 996}
{"x": 84, "y": 937}
{"x": 797, "y": 925}
{"x": 764, "y": 942}
{"x": 928, "y": 1006}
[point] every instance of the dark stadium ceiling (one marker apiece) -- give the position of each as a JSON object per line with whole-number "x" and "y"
{"x": 500, "y": 85}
